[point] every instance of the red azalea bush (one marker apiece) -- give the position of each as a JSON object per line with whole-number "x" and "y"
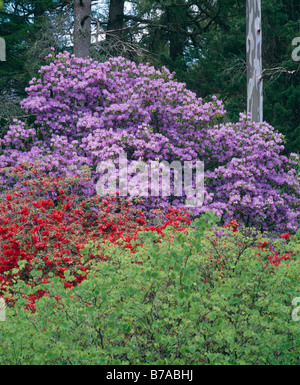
{"x": 46, "y": 223}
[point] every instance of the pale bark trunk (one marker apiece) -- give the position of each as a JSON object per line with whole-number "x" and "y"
{"x": 82, "y": 28}
{"x": 254, "y": 61}
{"x": 2, "y": 49}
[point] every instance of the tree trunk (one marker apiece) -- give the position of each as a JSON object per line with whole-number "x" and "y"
{"x": 115, "y": 19}
{"x": 38, "y": 11}
{"x": 254, "y": 61}
{"x": 2, "y": 49}
{"x": 175, "y": 18}
{"x": 82, "y": 28}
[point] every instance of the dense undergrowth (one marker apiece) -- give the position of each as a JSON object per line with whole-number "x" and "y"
{"x": 87, "y": 281}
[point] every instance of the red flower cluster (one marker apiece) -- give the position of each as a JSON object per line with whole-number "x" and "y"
{"x": 285, "y": 236}
{"x": 275, "y": 259}
{"x": 233, "y": 224}
{"x": 175, "y": 218}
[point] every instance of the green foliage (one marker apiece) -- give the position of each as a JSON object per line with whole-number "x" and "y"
{"x": 177, "y": 306}
{"x": 29, "y": 28}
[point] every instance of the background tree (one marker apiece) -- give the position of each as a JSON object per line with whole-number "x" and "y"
{"x": 29, "y": 28}
{"x": 203, "y": 41}
{"x": 115, "y": 19}
{"x": 82, "y": 28}
{"x": 213, "y": 60}
{"x": 254, "y": 61}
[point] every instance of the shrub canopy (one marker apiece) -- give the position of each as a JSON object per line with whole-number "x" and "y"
{"x": 87, "y": 112}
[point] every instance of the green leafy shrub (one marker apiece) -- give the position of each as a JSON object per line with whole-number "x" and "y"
{"x": 169, "y": 303}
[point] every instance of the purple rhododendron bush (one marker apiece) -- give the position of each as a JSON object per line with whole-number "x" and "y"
{"x": 86, "y": 112}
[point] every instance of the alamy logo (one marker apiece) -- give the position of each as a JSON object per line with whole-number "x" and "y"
{"x": 296, "y": 311}
{"x": 2, "y": 309}
{"x": 2, "y": 49}
{"x": 152, "y": 179}
{"x": 296, "y": 51}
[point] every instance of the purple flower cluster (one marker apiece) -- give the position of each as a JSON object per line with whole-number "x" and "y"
{"x": 88, "y": 112}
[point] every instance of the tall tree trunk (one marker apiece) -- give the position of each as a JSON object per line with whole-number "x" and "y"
{"x": 176, "y": 45}
{"x": 2, "y": 49}
{"x": 115, "y": 19}
{"x": 175, "y": 18}
{"x": 82, "y": 28}
{"x": 254, "y": 61}
{"x": 38, "y": 11}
